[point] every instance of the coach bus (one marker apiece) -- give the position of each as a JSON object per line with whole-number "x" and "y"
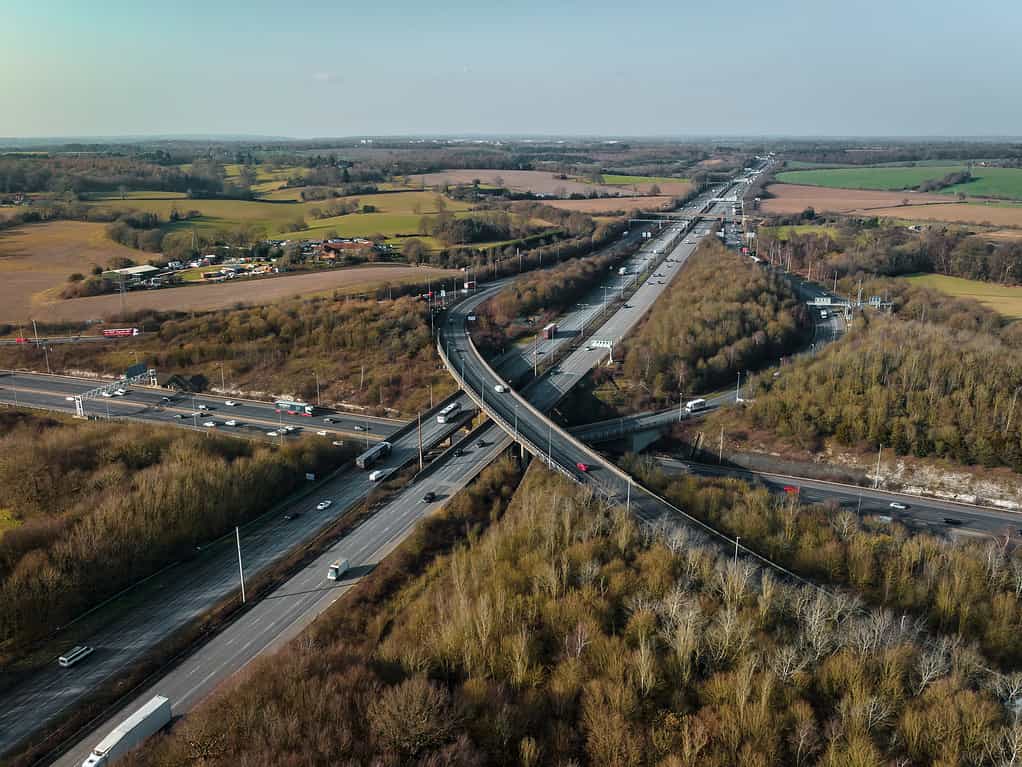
{"x": 372, "y": 455}
{"x": 292, "y": 407}
{"x": 448, "y": 412}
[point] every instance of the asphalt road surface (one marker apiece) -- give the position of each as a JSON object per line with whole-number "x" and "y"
{"x": 281, "y": 615}
{"x": 123, "y": 630}
{"x": 296, "y": 602}
{"x": 54, "y": 392}
{"x": 928, "y": 514}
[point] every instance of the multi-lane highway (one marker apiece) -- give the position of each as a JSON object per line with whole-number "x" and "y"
{"x": 923, "y": 513}
{"x": 295, "y": 603}
{"x": 123, "y": 630}
{"x": 254, "y": 418}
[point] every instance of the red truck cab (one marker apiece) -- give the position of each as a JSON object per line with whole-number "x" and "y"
{"x": 583, "y": 467}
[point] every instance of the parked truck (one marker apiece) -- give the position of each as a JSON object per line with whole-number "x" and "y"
{"x": 550, "y": 331}
{"x": 151, "y": 718}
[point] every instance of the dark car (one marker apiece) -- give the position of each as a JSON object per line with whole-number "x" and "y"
{"x": 952, "y": 521}
{"x": 481, "y": 443}
{"x": 292, "y": 515}
{"x": 458, "y": 453}
{"x": 429, "y": 497}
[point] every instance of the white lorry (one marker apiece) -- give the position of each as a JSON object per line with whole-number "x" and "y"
{"x": 337, "y": 570}
{"x": 151, "y": 718}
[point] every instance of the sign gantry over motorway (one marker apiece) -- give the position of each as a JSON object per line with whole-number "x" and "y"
{"x": 139, "y": 373}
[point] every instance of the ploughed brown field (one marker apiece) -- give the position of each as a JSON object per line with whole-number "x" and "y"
{"x": 227, "y": 294}
{"x": 36, "y": 260}
{"x": 612, "y": 204}
{"x": 794, "y": 198}
{"x": 539, "y": 182}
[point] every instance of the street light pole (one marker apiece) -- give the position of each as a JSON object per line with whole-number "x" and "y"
{"x": 241, "y": 570}
{"x": 315, "y": 373}
{"x": 736, "y": 548}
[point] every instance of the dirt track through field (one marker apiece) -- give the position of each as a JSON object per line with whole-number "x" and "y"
{"x": 241, "y": 291}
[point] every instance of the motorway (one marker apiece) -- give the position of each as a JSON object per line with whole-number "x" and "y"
{"x": 294, "y": 604}
{"x": 124, "y": 629}
{"x": 56, "y": 392}
{"x": 927, "y": 514}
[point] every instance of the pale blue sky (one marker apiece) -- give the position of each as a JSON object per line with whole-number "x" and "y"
{"x": 648, "y": 67}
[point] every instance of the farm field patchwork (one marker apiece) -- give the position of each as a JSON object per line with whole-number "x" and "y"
{"x": 274, "y": 216}
{"x": 535, "y": 181}
{"x": 792, "y": 199}
{"x": 1006, "y": 301}
{"x": 36, "y": 260}
{"x": 1005, "y": 183}
{"x": 228, "y": 294}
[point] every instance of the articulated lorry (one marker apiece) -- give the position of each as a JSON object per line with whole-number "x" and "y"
{"x": 151, "y": 718}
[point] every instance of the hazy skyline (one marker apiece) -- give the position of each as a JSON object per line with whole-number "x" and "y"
{"x": 399, "y": 68}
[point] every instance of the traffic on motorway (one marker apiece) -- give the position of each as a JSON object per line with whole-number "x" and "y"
{"x": 247, "y": 417}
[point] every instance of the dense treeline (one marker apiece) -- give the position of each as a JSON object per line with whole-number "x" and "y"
{"x": 79, "y": 174}
{"x": 857, "y": 248}
{"x": 364, "y": 352}
{"x": 972, "y": 591}
{"x": 510, "y": 313}
{"x": 921, "y": 389}
{"x": 723, "y": 314}
{"x": 479, "y": 227}
{"x": 100, "y": 506}
{"x": 566, "y": 635}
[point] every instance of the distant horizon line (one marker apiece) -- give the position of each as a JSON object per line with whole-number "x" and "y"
{"x": 480, "y": 136}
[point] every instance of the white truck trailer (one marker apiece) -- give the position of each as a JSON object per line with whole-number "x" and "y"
{"x": 151, "y": 718}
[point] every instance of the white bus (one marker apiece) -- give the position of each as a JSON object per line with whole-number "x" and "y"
{"x": 77, "y": 654}
{"x": 695, "y": 405}
{"x": 372, "y": 455}
{"x": 448, "y": 412}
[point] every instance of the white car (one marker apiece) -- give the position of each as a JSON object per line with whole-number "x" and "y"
{"x": 209, "y": 424}
{"x": 323, "y": 505}
{"x": 121, "y": 392}
{"x": 106, "y": 394}
{"x": 321, "y": 433}
{"x": 203, "y": 407}
{"x": 231, "y": 403}
{"x": 232, "y": 422}
{"x": 500, "y": 388}
{"x": 271, "y": 434}
{"x": 70, "y": 399}
{"x": 897, "y": 505}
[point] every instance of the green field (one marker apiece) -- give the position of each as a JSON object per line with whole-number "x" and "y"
{"x": 784, "y": 232}
{"x": 885, "y": 179}
{"x": 618, "y": 180}
{"x": 1006, "y": 301}
{"x": 1005, "y": 183}
{"x": 395, "y": 213}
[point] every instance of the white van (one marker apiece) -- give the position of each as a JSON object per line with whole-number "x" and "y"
{"x": 77, "y": 654}
{"x": 376, "y": 475}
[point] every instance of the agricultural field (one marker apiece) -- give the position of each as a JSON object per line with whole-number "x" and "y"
{"x": 1006, "y": 301}
{"x": 395, "y": 212}
{"x": 784, "y": 232}
{"x": 675, "y": 187}
{"x": 36, "y": 259}
{"x": 612, "y": 204}
{"x": 792, "y": 198}
{"x": 889, "y": 179}
{"x": 1003, "y": 183}
{"x": 534, "y": 181}
{"x": 233, "y": 293}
